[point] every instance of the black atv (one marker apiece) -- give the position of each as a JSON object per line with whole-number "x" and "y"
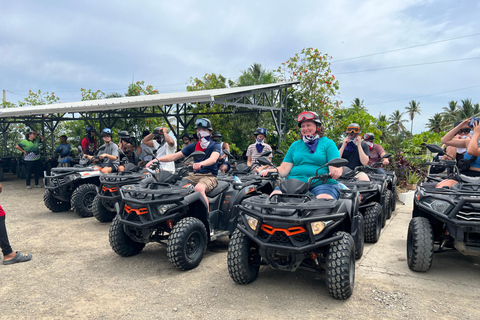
{"x": 295, "y": 230}
{"x": 444, "y": 219}
{"x": 176, "y": 215}
{"x": 73, "y": 187}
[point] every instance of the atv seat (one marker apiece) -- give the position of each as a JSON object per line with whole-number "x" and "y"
{"x": 467, "y": 179}
{"x": 71, "y": 169}
{"x": 222, "y": 185}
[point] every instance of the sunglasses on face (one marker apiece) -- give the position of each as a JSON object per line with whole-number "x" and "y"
{"x": 201, "y": 123}
{"x": 306, "y": 115}
{"x": 353, "y": 130}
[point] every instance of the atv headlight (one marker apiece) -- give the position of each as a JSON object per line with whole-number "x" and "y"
{"x": 437, "y": 205}
{"x": 317, "y": 227}
{"x": 252, "y": 222}
{"x": 165, "y": 207}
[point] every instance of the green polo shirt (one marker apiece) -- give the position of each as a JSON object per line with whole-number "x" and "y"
{"x": 32, "y": 148}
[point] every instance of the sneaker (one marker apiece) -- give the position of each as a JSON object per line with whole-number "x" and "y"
{"x": 38, "y": 186}
{"x": 28, "y": 187}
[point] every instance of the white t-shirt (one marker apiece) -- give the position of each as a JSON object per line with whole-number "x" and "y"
{"x": 166, "y": 150}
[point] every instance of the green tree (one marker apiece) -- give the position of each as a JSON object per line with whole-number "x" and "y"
{"x": 467, "y": 110}
{"x": 88, "y": 94}
{"x": 450, "y": 113}
{"x": 412, "y": 109}
{"x": 38, "y": 98}
{"x": 436, "y": 123}
{"x": 254, "y": 75}
{"x": 396, "y": 122}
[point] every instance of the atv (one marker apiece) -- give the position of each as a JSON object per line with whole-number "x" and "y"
{"x": 295, "y": 230}
{"x": 175, "y": 215}
{"x": 444, "y": 219}
{"x": 73, "y": 187}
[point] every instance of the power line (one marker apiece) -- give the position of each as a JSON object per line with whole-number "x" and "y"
{"x": 408, "y": 65}
{"x": 406, "y": 48}
{"x": 426, "y": 95}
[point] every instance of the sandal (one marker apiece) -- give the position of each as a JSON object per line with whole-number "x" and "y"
{"x": 19, "y": 257}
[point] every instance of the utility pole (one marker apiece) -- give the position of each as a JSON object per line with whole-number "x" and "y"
{"x": 4, "y": 98}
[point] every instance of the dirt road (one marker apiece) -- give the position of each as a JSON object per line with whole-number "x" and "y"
{"x": 74, "y": 273}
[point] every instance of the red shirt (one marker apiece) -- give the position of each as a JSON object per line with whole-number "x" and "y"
{"x": 89, "y": 147}
{"x": 375, "y": 153}
{"x": 2, "y": 212}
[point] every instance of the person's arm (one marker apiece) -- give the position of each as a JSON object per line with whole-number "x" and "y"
{"x": 283, "y": 170}
{"x": 225, "y": 147}
{"x": 249, "y": 161}
{"x": 84, "y": 144}
{"x": 452, "y": 152}
{"x": 450, "y": 140}
{"x": 344, "y": 144}
{"x": 168, "y": 138}
{"x": 148, "y": 140}
{"x": 20, "y": 148}
{"x": 361, "y": 153}
{"x": 472, "y": 148}
{"x": 172, "y": 157}
{"x": 208, "y": 162}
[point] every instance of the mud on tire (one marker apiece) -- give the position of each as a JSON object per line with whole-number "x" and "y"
{"x": 120, "y": 242}
{"x": 420, "y": 244}
{"x": 101, "y": 213}
{"x": 187, "y": 243}
{"x": 373, "y": 223}
{"x": 241, "y": 267}
{"x": 82, "y": 199}
{"x": 53, "y": 204}
{"x": 340, "y": 265}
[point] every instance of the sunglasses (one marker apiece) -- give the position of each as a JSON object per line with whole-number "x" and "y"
{"x": 201, "y": 123}
{"x": 353, "y": 130}
{"x": 306, "y": 115}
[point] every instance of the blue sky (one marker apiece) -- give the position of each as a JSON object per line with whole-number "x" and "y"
{"x": 61, "y": 46}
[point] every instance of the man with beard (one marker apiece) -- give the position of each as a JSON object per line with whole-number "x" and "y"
{"x": 349, "y": 150}
{"x": 205, "y": 169}
{"x": 164, "y": 144}
{"x": 256, "y": 149}
{"x": 89, "y": 143}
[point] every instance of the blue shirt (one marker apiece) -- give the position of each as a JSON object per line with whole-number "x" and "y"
{"x": 63, "y": 150}
{"x": 305, "y": 164}
{"x": 475, "y": 164}
{"x": 212, "y": 147}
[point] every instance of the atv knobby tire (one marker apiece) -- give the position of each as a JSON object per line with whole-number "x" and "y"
{"x": 53, "y": 204}
{"x": 120, "y": 242}
{"x": 240, "y": 258}
{"x": 187, "y": 243}
{"x": 394, "y": 200}
{"x": 1, "y": 174}
{"x": 420, "y": 244}
{"x": 373, "y": 223}
{"x": 82, "y": 199}
{"x": 361, "y": 243}
{"x": 101, "y": 213}
{"x": 388, "y": 200}
{"x": 340, "y": 265}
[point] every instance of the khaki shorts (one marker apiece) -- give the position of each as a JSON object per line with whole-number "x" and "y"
{"x": 207, "y": 179}
{"x": 362, "y": 174}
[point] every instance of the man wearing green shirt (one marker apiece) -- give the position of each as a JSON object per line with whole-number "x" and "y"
{"x": 30, "y": 147}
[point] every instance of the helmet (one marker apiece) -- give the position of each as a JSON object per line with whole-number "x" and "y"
{"x": 369, "y": 137}
{"x": 260, "y": 131}
{"x": 123, "y": 134}
{"x": 89, "y": 129}
{"x": 157, "y": 132}
{"x": 188, "y": 135}
{"x": 107, "y": 131}
{"x": 308, "y": 116}
{"x": 353, "y": 128}
{"x": 203, "y": 123}
{"x": 216, "y": 134}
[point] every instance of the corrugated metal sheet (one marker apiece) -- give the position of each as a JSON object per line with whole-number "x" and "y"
{"x": 203, "y": 96}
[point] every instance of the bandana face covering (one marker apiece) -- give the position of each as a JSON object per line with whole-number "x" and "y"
{"x": 351, "y": 145}
{"x": 204, "y": 137}
{"x": 311, "y": 141}
{"x": 369, "y": 144}
{"x": 259, "y": 145}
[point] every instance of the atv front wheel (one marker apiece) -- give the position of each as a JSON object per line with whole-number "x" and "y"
{"x": 373, "y": 223}
{"x": 100, "y": 212}
{"x": 241, "y": 258}
{"x": 394, "y": 199}
{"x": 187, "y": 243}
{"x": 53, "y": 204}
{"x": 82, "y": 199}
{"x": 341, "y": 267}
{"x": 360, "y": 243}
{"x": 388, "y": 201}
{"x": 120, "y": 242}
{"x": 420, "y": 244}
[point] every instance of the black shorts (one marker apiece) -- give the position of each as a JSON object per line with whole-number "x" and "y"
{"x": 112, "y": 165}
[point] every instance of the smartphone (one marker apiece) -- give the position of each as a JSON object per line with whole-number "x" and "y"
{"x": 472, "y": 122}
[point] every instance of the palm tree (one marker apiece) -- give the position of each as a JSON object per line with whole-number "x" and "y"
{"x": 382, "y": 125}
{"x": 255, "y": 75}
{"x": 450, "y": 113}
{"x": 467, "y": 110}
{"x": 413, "y": 107}
{"x": 396, "y": 122}
{"x": 436, "y": 123}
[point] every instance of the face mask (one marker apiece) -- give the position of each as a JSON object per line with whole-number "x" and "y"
{"x": 260, "y": 141}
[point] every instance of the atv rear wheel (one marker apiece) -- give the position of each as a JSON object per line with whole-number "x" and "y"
{"x": 100, "y": 212}
{"x": 240, "y": 259}
{"x": 53, "y": 204}
{"x": 187, "y": 243}
{"x": 120, "y": 242}
{"x": 341, "y": 267}
{"x": 394, "y": 199}
{"x": 82, "y": 199}
{"x": 361, "y": 242}
{"x": 373, "y": 223}
{"x": 388, "y": 200}
{"x": 1, "y": 174}
{"x": 420, "y": 244}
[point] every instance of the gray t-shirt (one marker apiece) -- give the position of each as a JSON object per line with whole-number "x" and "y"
{"x": 111, "y": 149}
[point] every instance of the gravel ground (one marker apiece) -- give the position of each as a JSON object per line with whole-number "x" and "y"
{"x": 74, "y": 273}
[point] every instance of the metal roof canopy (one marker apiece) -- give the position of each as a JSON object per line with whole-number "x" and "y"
{"x": 260, "y": 98}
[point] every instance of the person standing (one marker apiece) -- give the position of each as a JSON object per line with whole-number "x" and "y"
{"x": 30, "y": 147}
{"x": 256, "y": 149}
{"x": 89, "y": 143}
{"x": 63, "y": 151}
{"x": 9, "y": 256}
{"x": 164, "y": 144}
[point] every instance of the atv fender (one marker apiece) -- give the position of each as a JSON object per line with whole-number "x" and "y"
{"x": 198, "y": 208}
